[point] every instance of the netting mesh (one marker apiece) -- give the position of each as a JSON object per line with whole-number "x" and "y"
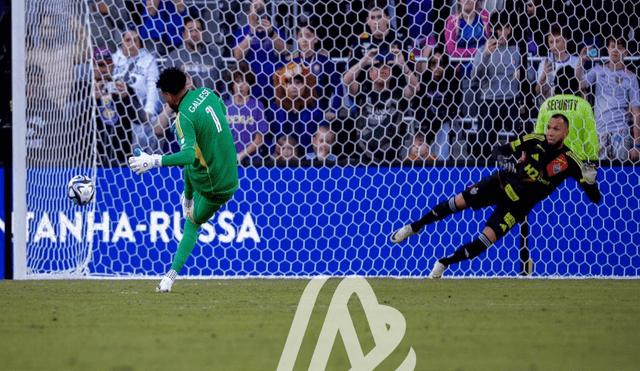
{"x": 351, "y": 118}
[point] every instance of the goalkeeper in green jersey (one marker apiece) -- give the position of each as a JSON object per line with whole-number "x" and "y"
{"x": 207, "y": 152}
{"x": 545, "y": 164}
{"x": 583, "y": 137}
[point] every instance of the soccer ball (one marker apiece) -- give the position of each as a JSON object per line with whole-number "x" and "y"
{"x": 81, "y": 190}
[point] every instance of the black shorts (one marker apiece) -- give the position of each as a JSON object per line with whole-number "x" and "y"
{"x": 489, "y": 192}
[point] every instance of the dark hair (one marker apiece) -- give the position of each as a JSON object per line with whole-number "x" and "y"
{"x": 566, "y": 81}
{"x": 172, "y": 80}
{"x": 189, "y": 18}
{"x": 136, "y": 36}
{"x": 618, "y": 37}
{"x": 306, "y": 24}
{"x": 563, "y": 117}
{"x": 556, "y": 30}
{"x": 444, "y": 57}
{"x": 378, "y": 5}
{"x": 242, "y": 71}
{"x": 500, "y": 20}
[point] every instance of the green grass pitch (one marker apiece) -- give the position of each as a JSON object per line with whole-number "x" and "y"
{"x": 485, "y": 324}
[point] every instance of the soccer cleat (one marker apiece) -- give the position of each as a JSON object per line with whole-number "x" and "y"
{"x": 167, "y": 281}
{"x": 402, "y": 234}
{"x": 438, "y": 270}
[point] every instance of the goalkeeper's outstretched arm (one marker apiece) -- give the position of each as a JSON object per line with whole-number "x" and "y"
{"x": 186, "y": 133}
{"x": 183, "y": 158}
{"x": 142, "y": 162}
{"x": 502, "y": 155}
{"x": 504, "y": 151}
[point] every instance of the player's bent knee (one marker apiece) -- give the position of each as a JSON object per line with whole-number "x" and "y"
{"x": 461, "y": 203}
{"x": 495, "y": 230}
{"x": 490, "y": 234}
{"x": 194, "y": 221}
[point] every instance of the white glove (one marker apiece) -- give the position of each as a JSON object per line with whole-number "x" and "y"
{"x": 144, "y": 162}
{"x": 187, "y": 207}
{"x": 506, "y": 164}
{"x": 589, "y": 173}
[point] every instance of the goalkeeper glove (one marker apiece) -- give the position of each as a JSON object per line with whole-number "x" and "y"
{"x": 144, "y": 162}
{"x": 506, "y": 164}
{"x": 589, "y": 173}
{"x": 187, "y": 206}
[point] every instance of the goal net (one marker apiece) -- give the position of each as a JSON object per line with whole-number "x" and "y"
{"x": 351, "y": 119}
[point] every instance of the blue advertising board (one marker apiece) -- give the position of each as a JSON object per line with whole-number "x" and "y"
{"x": 327, "y": 220}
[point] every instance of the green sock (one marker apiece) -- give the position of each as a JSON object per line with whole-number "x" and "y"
{"x": 187, "y": 244}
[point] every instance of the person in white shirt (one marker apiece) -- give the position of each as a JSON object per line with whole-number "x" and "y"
{"x": 617, "y": 95}
{"x": 558, "y": 58}
{"x": 138, "y": 69}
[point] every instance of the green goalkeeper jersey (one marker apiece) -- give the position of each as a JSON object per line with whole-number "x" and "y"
{"x": 582, "y": 138}
{"x": 207, "y": 150}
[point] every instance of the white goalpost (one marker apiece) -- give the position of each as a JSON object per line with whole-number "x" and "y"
{"x": 19, "y": 147}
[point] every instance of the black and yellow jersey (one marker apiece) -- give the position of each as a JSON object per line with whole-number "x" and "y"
{"x": 540, "y": 170}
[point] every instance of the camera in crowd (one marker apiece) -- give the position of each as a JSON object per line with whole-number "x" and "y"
{"x": 593, "y": 52}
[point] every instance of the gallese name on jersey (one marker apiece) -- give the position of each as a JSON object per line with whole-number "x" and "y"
{"x": 198, "y": 101}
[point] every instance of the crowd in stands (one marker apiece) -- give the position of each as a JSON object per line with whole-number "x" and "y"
{"x": 366, "y": 82}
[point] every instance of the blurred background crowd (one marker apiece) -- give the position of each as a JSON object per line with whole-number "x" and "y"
{"x": 357, "y": 82}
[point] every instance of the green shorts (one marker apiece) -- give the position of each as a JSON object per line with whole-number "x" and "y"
{"x": 205, "y": 205}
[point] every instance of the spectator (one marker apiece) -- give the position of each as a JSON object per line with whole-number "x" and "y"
{"x": 108, "y": 19}
{"x": 245, "y": 114}
{"x": 295, "y": 111}
{"x": 581, "y": 18}
{"x": 336, "y": 23}
{"x": 162, "y": 28}
{"x": 466, "y": 31}
{"x": 378, "y": 34}
{"x": 194, "y": 57}
{"x": 378, "y": 85}
{"x": 40, "y": 118}
{"x": 496, "y": 67}
{"x": 261, "y": 45}
{"x": 286, "y": 149}
{"x": 117, "y": 113}
{"x": 322, "y": 142}
{"x": 617, "y": 94}
{"x": 57, "y": 53}
{"x": 538, "y": 27}
{"x": 582, "y": 138}
{"x": 436, "y": 105}
{"x": 559, "y": 57}
{"x": 327, "y": 79}
{"x": 138, "y": 69}
{"x": 619, "y": 17}
{"x": 419, "y": 150}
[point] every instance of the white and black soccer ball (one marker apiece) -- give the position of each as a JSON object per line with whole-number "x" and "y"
{"x": 81, "y": 190}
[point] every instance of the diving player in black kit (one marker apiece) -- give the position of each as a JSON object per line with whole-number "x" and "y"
{"x": 515, "y": 190}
